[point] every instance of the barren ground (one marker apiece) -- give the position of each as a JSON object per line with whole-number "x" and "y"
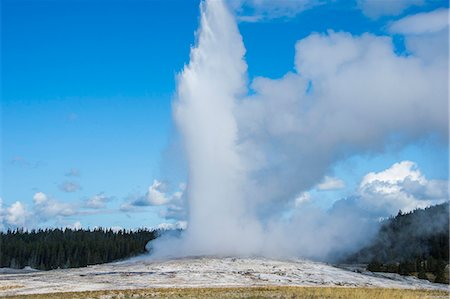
{"x": 202, "y": 272}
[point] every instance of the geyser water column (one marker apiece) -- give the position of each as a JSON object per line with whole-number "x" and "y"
{"x": 207, "y": 91}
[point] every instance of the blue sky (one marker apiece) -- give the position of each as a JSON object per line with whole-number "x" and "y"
{"x": 87, "y": 88}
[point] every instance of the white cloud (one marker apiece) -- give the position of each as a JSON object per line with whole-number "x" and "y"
{"x": 98, "y": 201}
{"x": 39, "y": 198}
{"x": 47, "y": 211}
{"x": 43, "y": 209}
{"x": 46, "y": 208}
{"x": 261, "y": 10}
{"x": 17, "y": 215}
{"x": 171, "y": 226}
{"x": 264, "y": 10}
{"x": 75, "y": 226}
{"x": 330, "y": 183}
{"x": 378, "y": 8}
{"x": 303, "y": 198}
{"x": 396, "y": 173}
{"x": 156, "y": 195}
{"x": 422, "y": 23}
{"x": 401, "y": 187}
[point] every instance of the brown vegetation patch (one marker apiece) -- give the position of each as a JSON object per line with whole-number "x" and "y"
{"x": 250, "y": 292}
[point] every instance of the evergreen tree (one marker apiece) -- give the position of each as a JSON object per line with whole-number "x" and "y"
{"x": 65, "y": 248}
{"x": 411, "y": 243}
{"x": 440, "y": 273}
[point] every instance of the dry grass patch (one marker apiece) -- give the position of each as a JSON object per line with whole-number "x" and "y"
{"x": 250, "y": 292}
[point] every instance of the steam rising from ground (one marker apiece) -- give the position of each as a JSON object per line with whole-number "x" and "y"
{"x": 250, "y": 157}
{"x": 207, "y": 92}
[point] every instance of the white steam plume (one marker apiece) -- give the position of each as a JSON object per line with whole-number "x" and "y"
{"x": 250, "y": 157}
{"x": 207, "y": 91}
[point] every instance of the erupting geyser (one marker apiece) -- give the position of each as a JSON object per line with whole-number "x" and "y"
{"x": 208, "y": 88}
{"x": 251, "y": 157}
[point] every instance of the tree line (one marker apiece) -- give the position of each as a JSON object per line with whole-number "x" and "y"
{"x": 414, "y": 243}
{"x": 66, "y": 248}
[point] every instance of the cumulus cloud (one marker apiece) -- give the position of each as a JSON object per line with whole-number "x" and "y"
{"x": 44, "y": 209}
{"x": 378, "y": 8}
{"x": 16, "y": 215}
{"x": 39, "y": 198}
{"x": 427, "y": 22}
{"x": 68, "y": 186}
{"x": 400, "y": 187}
{"x": 426, "y": 35}
{"x": 157, "y": 195}
{"x": 97, "y": 201}
{"x": 330, "y": 183}
{"x": 393, "y": 175}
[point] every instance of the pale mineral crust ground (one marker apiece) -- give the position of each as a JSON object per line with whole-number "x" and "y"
{"x": 199, "y": 272}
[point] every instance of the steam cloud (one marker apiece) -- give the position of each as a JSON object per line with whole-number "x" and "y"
{"x": 251, "y": 156}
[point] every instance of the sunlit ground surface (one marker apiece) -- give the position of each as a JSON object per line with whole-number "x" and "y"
{"x": 251, "y": 292}
{"x": 217, "y": 277}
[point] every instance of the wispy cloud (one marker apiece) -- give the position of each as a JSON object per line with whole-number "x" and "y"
{"x": 379, "y": 8}
{"x": 69, "y": 186}
{"x": 22, "y": 162}
{"x": 264, "y": 10}
{"x": 331, "y": 183}
{"x": 73, "y": 172}
{"x": 422, "y": 23}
